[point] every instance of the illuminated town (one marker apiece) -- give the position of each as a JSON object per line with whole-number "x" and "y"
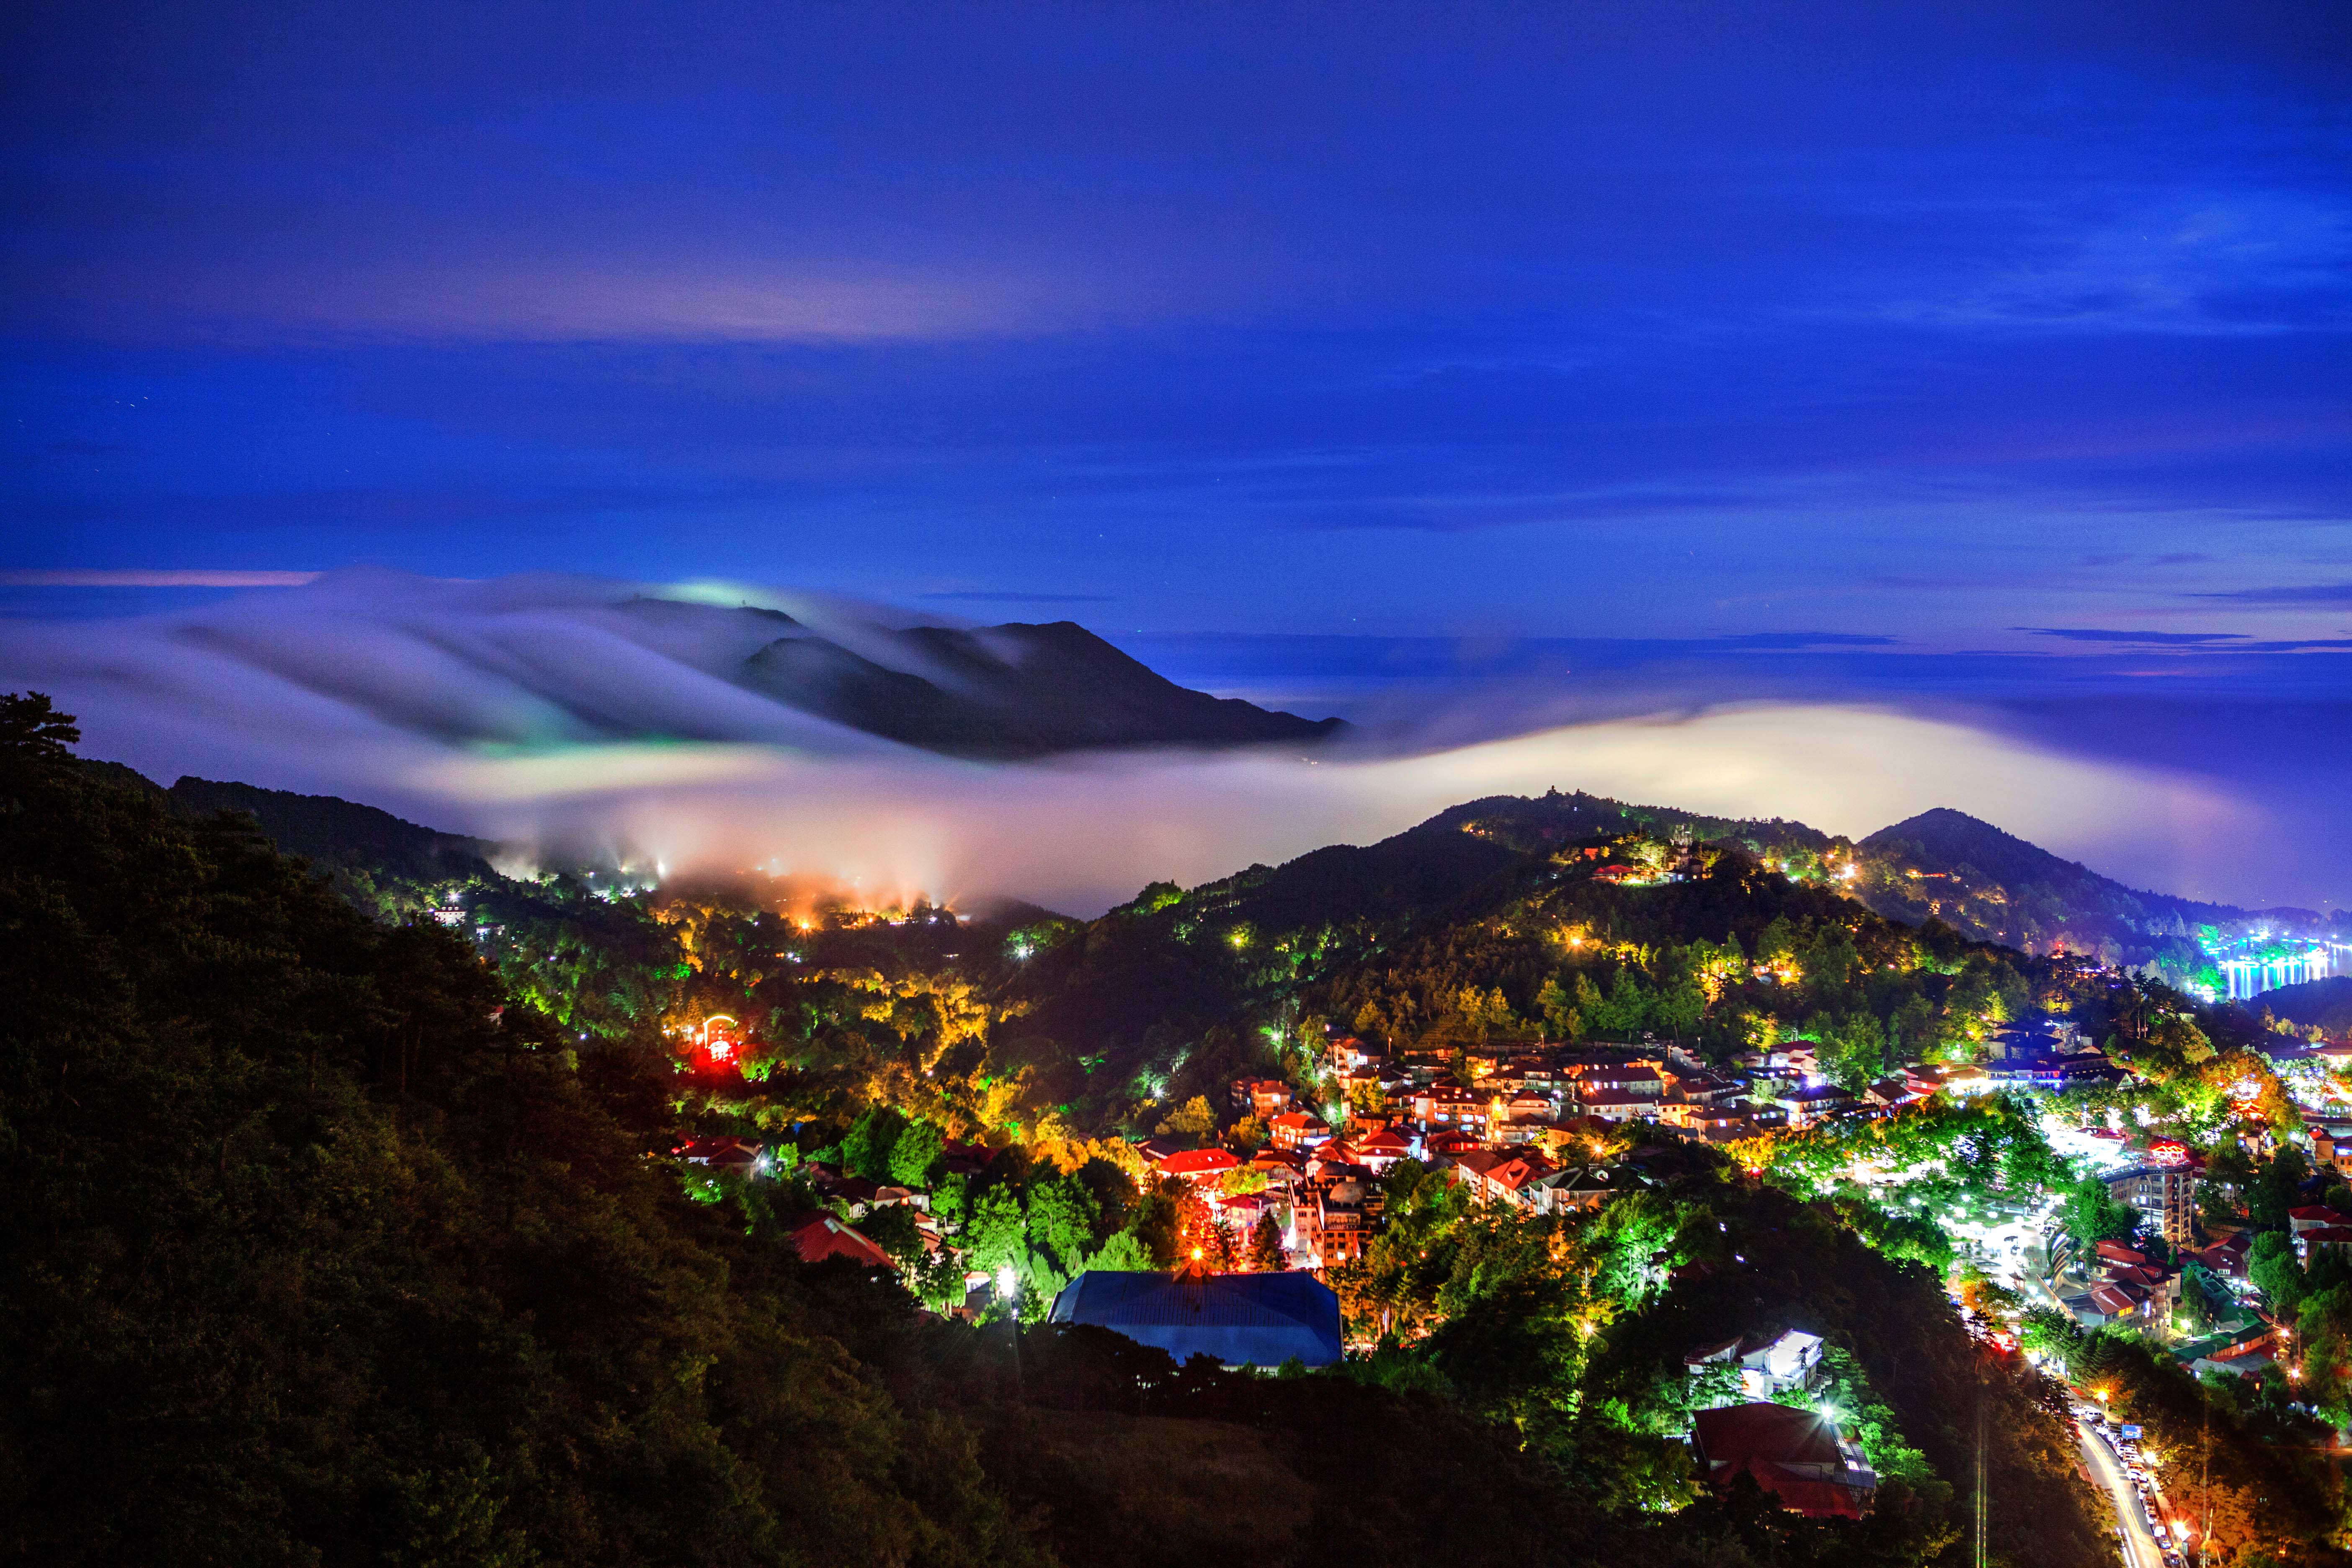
{"x": 2103, "y": 1191}
{"x": 1168, "y": 784}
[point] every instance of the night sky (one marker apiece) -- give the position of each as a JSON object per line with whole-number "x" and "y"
{"x": 1995, "y": 358}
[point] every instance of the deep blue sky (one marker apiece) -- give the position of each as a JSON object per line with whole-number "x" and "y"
{"x": 1634, "y": 320}
{"x": 2010, "y": 342}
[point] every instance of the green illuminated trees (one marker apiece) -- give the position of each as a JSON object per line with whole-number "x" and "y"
{"x": 2094, "y": 1214}
{"x": 2277, "y": 1187}
{"x": 1194, "y": 1120}
{"x": 2272, "y": 1265}
{"x": 871, "y": 1140}
{"x": 1042, "y": 1227}
{"x": 916, "y": 1156}
{"x": 1125, "y": 1252}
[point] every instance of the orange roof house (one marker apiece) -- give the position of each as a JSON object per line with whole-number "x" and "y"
{"x": 1200, "y": 1164}
{"x": 817, "y": 1236}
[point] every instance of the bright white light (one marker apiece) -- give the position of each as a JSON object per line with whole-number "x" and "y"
{"x": 1007, "y": 1283}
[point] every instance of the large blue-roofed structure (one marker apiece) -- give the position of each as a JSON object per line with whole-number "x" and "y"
{"x": 1242, "y": 1319}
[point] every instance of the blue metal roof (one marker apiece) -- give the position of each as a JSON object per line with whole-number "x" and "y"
{"x": 1243, "y": 1319}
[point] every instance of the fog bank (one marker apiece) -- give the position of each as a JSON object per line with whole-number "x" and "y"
{"x": 528, "y": 710}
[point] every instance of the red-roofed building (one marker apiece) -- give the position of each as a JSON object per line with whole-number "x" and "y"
{"x": 2311, "y": 1216}
{"x": 2227, "y": 1257}
{"x": 817, "y": 1236}
{"x": 2324, "y": 1236}
{"x": 1451, "y": 1106}
{"x": 1379, "y": 1151}
{"x": 2119, "y": 1300}
{"x": 1200, "y": 1164}
{"x": 1297, "y": 1131}
{"x": 1280, "y": 1165}
{"x": 1264, "y": 1097}
{"x": 1502, "y": 1177}
{"x": 966, "y": 1159}
{"x": 1796, "y": 1454}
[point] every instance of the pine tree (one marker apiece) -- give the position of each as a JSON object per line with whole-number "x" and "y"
{"x": 1266, "y": 1254}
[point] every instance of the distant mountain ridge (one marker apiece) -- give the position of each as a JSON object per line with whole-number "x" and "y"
{"x": 1012, "y": 691}
{"x": 541, "y": 664}
{"x": 1942, "y": 864}
{"x": 1948, "y": 866}
{"x": 1950, "y": 841}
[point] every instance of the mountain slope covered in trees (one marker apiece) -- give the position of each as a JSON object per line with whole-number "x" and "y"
{"x": 349, "y": 1254}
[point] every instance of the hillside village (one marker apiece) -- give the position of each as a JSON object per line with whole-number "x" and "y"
{"x": 1563, "y": 1127}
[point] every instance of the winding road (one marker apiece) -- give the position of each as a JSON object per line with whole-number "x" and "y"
{"x": 2140, "y": 1548}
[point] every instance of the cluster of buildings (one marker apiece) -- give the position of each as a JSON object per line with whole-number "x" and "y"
{"x": 1551, "y": 1097}
{"x": 2118, "y": 1286}
{"x": 1539, "y": 1096}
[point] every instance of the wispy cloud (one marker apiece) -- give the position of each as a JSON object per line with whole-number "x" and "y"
{"x": 984, "y": 595}
{"x": 1786, "y": 641}
{"x": 2304, "y": 594}
{"x": 2191, "y": 642}
{"x": 2149, "y": 639}
{"x": 137, "y": 577}
{"x": 598, "y": 299}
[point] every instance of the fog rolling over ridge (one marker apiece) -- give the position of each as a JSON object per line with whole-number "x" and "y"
{"x": 729, "y": 727}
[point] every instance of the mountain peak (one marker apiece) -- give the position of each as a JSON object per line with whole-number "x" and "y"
{"x": 1948, "y": 838}
{"x": 1020, "y": 690}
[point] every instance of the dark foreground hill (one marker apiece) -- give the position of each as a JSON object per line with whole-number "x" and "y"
{"x": 2325, "y": 1003}
{"x": 339, "y": 835}
{"x": 317, "y": 1246}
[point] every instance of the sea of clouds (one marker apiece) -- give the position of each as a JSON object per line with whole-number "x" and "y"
{"x": 552, "y": 711}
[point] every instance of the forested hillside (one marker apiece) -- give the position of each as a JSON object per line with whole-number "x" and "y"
{"x": 347, "y": 1255}
{"x": 387, "y": 865}
{"x": 351, "y": 1252}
